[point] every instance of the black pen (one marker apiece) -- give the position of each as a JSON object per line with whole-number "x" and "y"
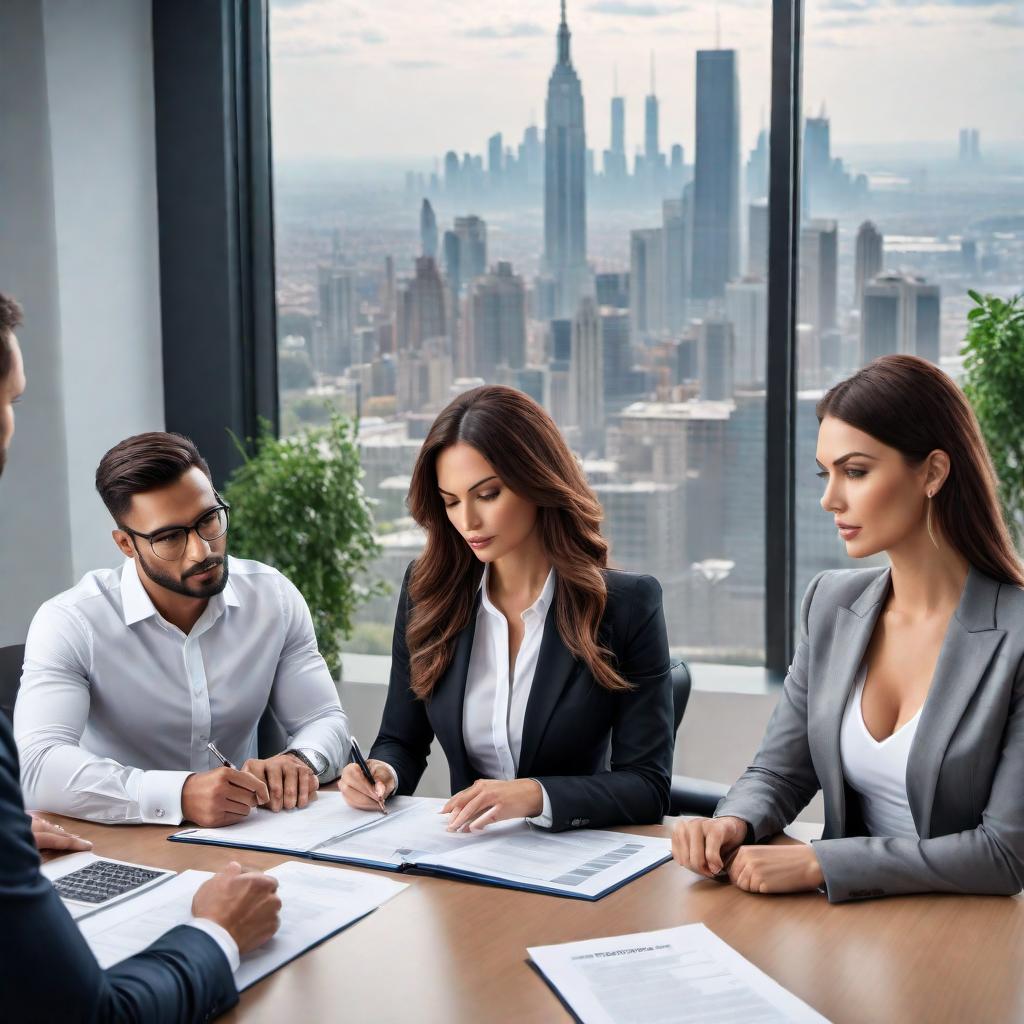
{"x": 357, "y": 756}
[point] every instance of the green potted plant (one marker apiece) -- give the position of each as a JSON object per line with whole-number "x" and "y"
{"x": 994, "y": 384}
{"x": 297, "y": 504}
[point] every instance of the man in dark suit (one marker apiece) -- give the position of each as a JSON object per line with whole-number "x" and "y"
{"x": 47, "y": 971}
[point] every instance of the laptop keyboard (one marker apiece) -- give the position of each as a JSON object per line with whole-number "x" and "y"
{"x": 103, "y": 880}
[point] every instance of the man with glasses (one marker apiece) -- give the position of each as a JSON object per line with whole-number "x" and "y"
{"x": 139, "y": 677}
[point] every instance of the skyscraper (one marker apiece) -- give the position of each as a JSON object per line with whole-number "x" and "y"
{"x": 757, "y": 239}
{"x": 868, "y": 263}
{"x": 428, "y": 231}
{"x": 421, "y": 307}
{"x": 746, "y": 308}
{"x": 646, "y": 283}
{"x": 652, "y": 150}
{"x": 716, "y": 215}
{"x": 674, "y": 237}
{"x": 819, "y": 274}
{"x": 451, "y": 171}
{"x": 586, "y": 378}
{"x": 565, "y": 208}
{"x": 497, "y": 322}
{"x": 494, "y": 158}
{"x": 901, "y": 313}
{"x": 757, "y": 169}
{"x": 332, "y": 349}
{"x": 716, "y": 353}
{"x": 471, "y": 233}
{"x": 615, "y": 157}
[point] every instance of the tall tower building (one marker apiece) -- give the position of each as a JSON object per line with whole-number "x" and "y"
{"x": 471, "y": 233}
{"x": 586, "y": 378}
{"x": 565, "y": 158}
{"x": 333, "y": 352}
{"x": 757, "y": 239}
{"x": 652, "y": 151}
{"x": 868, "y": 263}
{"x": 428, "y": 230}
{"x": 494, "y": 158}
{"x": 646, "y": 283}
{"x": 901, "y": 313}
{"x": 675, "y": 235}
{"x": 716, "y": 354}
{"x": 615, "y": 158}
{"x": 819, "y": 274}
{"x": 497, "y": 317}
{"x": 421, "y": 307}
{"x": 716, "y": 214}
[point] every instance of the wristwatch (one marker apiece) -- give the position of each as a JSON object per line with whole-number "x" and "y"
{"x": 313, "y": 760}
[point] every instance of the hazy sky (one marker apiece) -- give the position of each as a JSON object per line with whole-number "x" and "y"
{"x": 357, "y": 80}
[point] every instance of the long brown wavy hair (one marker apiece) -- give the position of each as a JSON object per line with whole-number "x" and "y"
{"x": 520, "y": 440}
{"x": 909, "y": 404}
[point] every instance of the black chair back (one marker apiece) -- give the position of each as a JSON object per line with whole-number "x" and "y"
{"x": 680, "y": 691}
{"x": 11, "y": 660}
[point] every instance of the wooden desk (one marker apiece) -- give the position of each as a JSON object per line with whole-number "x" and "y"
{"x": 451, "y": 951}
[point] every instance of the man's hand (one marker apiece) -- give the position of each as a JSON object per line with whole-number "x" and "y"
{"x": 244, "y": 903}
{"x": 221, "y": 796}
{"x": 289, "y": 781}
{"x": 48, "y": 836}
{"x": 358, "y": 792}
{"x": 491, "y": 800}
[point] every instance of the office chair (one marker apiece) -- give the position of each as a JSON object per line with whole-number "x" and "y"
{"x": 11, "y": 660}
{"x": 688, "y": 794}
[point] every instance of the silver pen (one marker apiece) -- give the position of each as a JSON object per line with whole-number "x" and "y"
{"x": 220, "y": 757}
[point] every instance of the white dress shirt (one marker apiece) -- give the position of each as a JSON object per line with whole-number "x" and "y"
{"x": 221, "y": 936}
{"x": 117, "y": 706}
{"x": 877, "y": 769}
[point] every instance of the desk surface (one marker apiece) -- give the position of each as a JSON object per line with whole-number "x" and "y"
{"x": 452, "y": 951}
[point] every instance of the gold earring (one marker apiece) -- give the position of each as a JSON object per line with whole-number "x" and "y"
{"x": 928, "y": 521}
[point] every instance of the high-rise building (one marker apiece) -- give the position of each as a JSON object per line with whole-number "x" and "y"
{"x": 675, "y": 236}
{"x": 565, "y": 204}
{"x": 817, "y": 159}
{"x": 646, "y": 283}
{"x": 451, "y": 251}
{"x": 717, "y": 359}
{"x": 451, "y": 171}
{"x": 716, "y": 214}
{"x": 616, "y": 358}
{"x": 428, "y": 231}
{"x": 332, "y": 348}
{"x": 652, "y": 148}
{"x": 900, "y": 313}
{"x": 531, "y": 155}
{"x": 494, "y": 158}
{"x": 497, "y": 322}
{"x": 819, "y": 274}
{"x": 746, "y": 308}
{"x": 586, "y": 378}
{"x": 612, "y": 289}
{"x": 615, "y": 157}
{"x": 970, "y": 145}
{"x": 757, "y": 239}
{"x": 471, "y": 233}
{"x": 868, "y": 261}
{"x": 757, "y": 169}
{"x": 421, "y": 307}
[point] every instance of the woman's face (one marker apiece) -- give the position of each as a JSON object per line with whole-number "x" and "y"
{"x": 877, "y": 498}
{"x": 491, "y": 518}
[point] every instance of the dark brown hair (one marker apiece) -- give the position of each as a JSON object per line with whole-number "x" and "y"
{"x": 520, "y": 440}
{"x": 142, "y": 463}
{"x": 10, "y": 319}
{"x": 909, "y": 404}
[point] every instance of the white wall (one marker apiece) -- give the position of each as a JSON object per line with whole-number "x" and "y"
{"x": 78, "y": 248}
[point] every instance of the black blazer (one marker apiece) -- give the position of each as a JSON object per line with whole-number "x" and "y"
{"x": 48, "y": 973}
{"x": 570, "y": 718}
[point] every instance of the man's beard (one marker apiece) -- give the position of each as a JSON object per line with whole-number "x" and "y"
{"x": 180, "y": 585}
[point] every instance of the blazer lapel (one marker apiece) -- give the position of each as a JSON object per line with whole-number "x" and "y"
{"x": 853, "y": 629}
{"x": 555, "y": 666}
{"x": 970, "y": 643}
{"x": 448, "y": 700}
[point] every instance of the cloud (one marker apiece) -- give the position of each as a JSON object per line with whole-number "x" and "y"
{"x": 298, "y": 47}
{"x": 416, "y": 65}
{"x": 372, "y": 37}
{"x": 1010, "y": 18}
{"x": 517, "y": 30}
{"x": 630, "y": 9}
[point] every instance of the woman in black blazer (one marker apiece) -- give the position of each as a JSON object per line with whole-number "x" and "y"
{"x": 543, "y": 674}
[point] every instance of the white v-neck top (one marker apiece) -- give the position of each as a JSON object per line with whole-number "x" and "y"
{"x": 877, "y": 769}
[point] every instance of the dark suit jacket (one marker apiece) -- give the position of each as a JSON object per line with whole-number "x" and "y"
{"x": 570, "y": 719}
{"x": 965, "y": 769}
{"x": 48, "y": 973}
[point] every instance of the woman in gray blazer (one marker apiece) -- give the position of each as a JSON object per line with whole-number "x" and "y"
{"x": 904, "y": 704}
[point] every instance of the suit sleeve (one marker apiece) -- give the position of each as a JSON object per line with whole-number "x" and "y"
{"x": 405, "y": 732}
{"x": 635, "y": 789}
{"x": 781, "y": 781}
{"x": 986, "y": 860}
{"x": 48, "y": 972}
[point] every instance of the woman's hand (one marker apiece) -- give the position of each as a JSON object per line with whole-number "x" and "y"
{"x": 792, "y": 867}
{"x": 490, "y": 800}
{"x": 48, "y": 836}
{"x": 359, "y": 793}
{"x": 704, "y": 844}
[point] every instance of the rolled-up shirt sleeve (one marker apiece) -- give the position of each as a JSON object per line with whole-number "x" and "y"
{"x": 304, "y": 696}
{"x": 50, "y": 715}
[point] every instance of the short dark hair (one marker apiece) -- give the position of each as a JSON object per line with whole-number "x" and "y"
{"x": 142, "y": 463}
{"x": 10, "y": 318}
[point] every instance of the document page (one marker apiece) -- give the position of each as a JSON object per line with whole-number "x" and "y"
{"x": 296, "y": 831}
{"x": 674, "y": 976}
{"x": 317, "y": 901}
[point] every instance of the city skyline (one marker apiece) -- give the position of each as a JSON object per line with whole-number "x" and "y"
{"x": 369, "y": 71}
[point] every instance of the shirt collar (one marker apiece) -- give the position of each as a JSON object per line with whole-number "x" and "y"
{"x": 137, "y": 604}
{"x": 540, "y": 606}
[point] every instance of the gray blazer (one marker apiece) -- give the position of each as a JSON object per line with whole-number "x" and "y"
{"x": 965, "y": 770}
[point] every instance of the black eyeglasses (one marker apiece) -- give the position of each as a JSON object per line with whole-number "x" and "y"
{"x": 170, "y": 542}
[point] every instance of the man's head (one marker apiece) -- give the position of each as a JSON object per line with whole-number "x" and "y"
{"x": 12, "y": 371}
{"x": 169, "y": 518}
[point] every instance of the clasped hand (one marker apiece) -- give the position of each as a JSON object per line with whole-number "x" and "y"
{"x": 491, "y": 800}
{"x": 712, "y": 847}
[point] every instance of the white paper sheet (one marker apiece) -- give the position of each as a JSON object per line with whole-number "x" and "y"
{"x": 684, "y": 975}
{"x": 316, "y": 901}
{"x": 61, "y": 866}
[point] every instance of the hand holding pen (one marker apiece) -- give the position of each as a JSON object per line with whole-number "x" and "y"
{"x": 365, "y": 784}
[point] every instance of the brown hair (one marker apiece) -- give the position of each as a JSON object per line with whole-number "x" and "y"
{"x": 520, "y": 440}
{"x": 909, "y": 404}
{"x": 142, "y": 463}
{"x": 10, "y": 319}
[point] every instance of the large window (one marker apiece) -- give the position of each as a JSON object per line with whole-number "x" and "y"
{"x": 911, "y": 195}
{"x": 502, "y": 197}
